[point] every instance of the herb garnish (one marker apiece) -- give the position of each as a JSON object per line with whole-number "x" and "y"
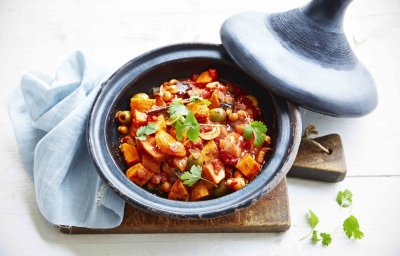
{"x": 196, "y": 97}
{"x": 190, "y": 126}
{"x": 146, "y": 130}
{"x": 256, "y": 128}
{"x": 192, "y": 176}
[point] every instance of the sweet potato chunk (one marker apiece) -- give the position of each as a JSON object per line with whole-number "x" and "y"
{"x": 138, "y": 174}
{"x": 214, "y": 171}
{"x": 141, "y": 104}
{"x": 151, "y": 148}
{"x": 151, "y": 164}
{"x": 161, "y": 124}
{"x": 178, "y": 192}
{"x": 168, "y": 145}
{"x": 210, "y": 151}
{"x": 139, "y": 118}
{"x": 206, "y": 77}
{"x": 248, "y": 166}
{"x": 199, "y": 109}
{"x": 199, "y": 192}
{"x": 216, "y": 99}
{"x": 180, "y": 163}
{"x": 130, "y": 153}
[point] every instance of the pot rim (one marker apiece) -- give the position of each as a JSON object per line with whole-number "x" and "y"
{"x": 289, "y": 140}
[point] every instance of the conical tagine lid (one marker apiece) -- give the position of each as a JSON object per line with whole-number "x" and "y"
{"x": 303, "y": 56}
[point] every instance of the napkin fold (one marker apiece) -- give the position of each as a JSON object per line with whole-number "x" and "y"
{"x": 49, "y": 117}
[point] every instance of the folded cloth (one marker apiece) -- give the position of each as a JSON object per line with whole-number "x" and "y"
{"x": 49, "y": 117}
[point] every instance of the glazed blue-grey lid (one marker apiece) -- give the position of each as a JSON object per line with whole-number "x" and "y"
{"x": 303, "y": 56}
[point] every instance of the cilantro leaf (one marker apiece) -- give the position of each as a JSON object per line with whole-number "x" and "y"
{"x": 344, "y": 198}
{"x": 312, "y": 219}
{"x": 177, "y": 109}
{"x": 196, "y": 97}
{"x": 146, "y": 130}
{"x": 326, "y": 238}
{"x": 193, "y": 127}
{"x": 352, "y": 228}
{"x": 315, "y": 237}
{"x": 190, "y": 126}
{"x": 256, "y": 128}
{"x": 192, "y": 176}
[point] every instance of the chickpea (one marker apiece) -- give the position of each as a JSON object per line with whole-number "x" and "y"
{"x": 123, "y": 129}
{"x": 123, "y": 117}
{"x": 233, "y": 117}
{"x": 235, "y": 183}
{"x": 229, "y": 111}
{"x": 155, "y": 179}
{"x": 217, "y": 115}
{"x": 241, "y": 114}
{"x": 173, "y": 89}
{"x": 173, "y": 81}
{"x": 267, "y": 139}
{"x": 166, "y": 186}
{"x": 167, "y": 96}
{"x": 141, "y": 95}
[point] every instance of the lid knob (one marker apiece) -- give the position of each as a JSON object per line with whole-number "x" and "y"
{"x": 304, "y": 56}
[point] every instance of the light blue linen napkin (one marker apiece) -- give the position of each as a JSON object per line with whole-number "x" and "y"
{"x": 49, "y": 116}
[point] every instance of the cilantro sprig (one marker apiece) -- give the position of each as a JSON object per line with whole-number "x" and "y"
{"x": 256, "y": 129}
{"x": 196, "y": 97}
{"x": 352, "y": 228}
{"x": 146, "y": 130}
{"x": 344, "y": 198}
{"x": 192, "y": 176}
{"x": 184, "y": 121}
{"x": 190, "y": 126}
{"x": 350, "y": 225}
{"x": 177, "y": 109}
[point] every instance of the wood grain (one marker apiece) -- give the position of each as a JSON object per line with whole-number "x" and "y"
{"x": 269, "y": 214}
{"x": 312, "y": 163}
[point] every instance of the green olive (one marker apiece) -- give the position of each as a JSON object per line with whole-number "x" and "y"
{"x": 221, "y": 190}
{"x": 195, "y": 158}
{"x": 217, "y": 115}
{"x": 124, "y": 117}
{"x": 141, "y": 95}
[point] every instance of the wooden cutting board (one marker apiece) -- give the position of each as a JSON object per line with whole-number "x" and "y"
{"x": 269, "y": 214}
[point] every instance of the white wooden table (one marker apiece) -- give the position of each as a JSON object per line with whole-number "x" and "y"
{"x": 40, "y": 34}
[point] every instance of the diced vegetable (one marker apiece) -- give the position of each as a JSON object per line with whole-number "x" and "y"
{"x": 178, "y": 191}
{"x": 151, "y": 148}
{"x": 160, "y": 122}
{"x": 221, "y": 190}
{"x": 138, "y": 174}
{"x": 168, "y": 145}
{"x": 139, "y": 118}
{"x": 210, "y": 151}
{"x": 199, "y": 192}
{"x": 130, "y": 153}
{"x": 206, "y": 77}
{"x": 216, "y": 99}
{"x": 235, "y": 183}
{"x": 199, "y": 109}
{"x": 195, "y": 158}
{"x": 180, "y": 163}
{"x": 151, "y": 164}
{"x": 214, "y": 171}
{"x": 248, "y": 166}
{"x": 141, "y": 104}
